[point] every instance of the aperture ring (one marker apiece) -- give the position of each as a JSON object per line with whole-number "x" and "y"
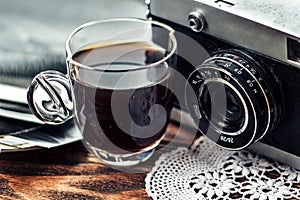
{"x": 239, "y": 65}
{"x": 228, "y": 141}
{"x": 244, "y": 79}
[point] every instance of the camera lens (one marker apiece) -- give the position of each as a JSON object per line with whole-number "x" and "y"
{"x": 236, "y": 97}
{"x": 222, "y": 106}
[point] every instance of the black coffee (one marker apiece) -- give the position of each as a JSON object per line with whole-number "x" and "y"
{"x": 136, "y": 93}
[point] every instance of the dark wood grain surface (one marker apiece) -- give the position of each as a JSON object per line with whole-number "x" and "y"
{"x": 71, "y": 172}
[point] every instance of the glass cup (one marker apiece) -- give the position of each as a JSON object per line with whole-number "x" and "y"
{"x": 117, "y": 87}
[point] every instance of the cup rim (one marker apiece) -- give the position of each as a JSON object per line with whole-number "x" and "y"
{"x": 69, "y": 53}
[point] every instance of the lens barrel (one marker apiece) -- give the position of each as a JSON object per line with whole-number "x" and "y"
{"x": 237, "y": 99}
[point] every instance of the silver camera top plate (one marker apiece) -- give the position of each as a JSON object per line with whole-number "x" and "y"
{"x": 281, "y": 15}
{"x": 261, "y": 26}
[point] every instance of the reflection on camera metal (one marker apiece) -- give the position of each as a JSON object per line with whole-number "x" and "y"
{"x": 293, "y": 47}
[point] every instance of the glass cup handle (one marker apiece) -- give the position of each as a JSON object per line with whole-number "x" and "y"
{"x": 50, "y": 97}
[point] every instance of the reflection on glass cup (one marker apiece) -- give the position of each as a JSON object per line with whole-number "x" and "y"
{"x": 120, "y": 73}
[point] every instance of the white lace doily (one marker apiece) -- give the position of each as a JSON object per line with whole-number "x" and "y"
{"x": 208, "y": 172}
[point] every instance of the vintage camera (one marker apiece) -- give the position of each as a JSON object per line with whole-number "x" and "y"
{"x": 252, "y": 61}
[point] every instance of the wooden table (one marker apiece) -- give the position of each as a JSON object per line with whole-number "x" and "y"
{"x": 70, "y": 172}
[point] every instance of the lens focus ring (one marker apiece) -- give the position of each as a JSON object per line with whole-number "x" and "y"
{"x": 235, "y": 99}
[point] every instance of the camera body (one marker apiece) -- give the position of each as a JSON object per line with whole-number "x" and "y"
{"x": 249, "y": 63}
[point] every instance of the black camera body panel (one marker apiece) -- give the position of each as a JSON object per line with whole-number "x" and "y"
{"x": 282, "y": 139}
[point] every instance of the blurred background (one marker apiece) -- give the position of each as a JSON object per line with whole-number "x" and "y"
{"x": 32, "y": 39}
{"x": 33, "y": 32}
